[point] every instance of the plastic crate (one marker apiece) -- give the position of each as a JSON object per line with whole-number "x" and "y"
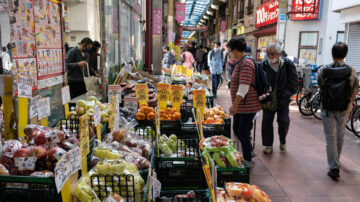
{"x": 233, "y": 175}
{"x": 200, "y": 196}
{"x": 27, "y": 188}
{"x": 183, "y": 170}
{"x": 189, "y": 129}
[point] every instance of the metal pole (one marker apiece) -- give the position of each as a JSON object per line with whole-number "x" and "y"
{"x": 148, "y": 41}
{"x": 103, "y": 50}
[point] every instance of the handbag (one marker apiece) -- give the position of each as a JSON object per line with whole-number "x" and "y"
{"x": 272, "y": 104}
{"x": 91, "y": 83}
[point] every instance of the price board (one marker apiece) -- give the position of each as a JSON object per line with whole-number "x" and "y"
{"x": 114, "y": 90}
{"x": 65, "y": 93}
{"x": 24, "y": 87}
{"x": 131, "y": 103}
{"x": 176, "y": 96}
{"x": 163, "y": 94}
{"x": 199, "y": 98}
{"x": 44, "y": 108}
{"x": 142, "y": 92}
{"x": 84, "y": 135}
{"x": 34, "y": 103}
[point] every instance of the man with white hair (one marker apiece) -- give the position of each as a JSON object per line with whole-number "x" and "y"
{"x": 282, "y": 75}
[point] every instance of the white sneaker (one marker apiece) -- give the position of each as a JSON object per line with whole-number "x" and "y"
{"x": 268, "y": 150}
{"x": 282, "y": 147}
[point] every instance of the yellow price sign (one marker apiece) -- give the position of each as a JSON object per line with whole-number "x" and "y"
{"x": 84, "y": 136}
{"x": 177, "y": 93}
{"x": 189, "y": 72}
{"x": 178, "y": 68}
{"x": 142, "y": 92}
{"x": 163, "y": 91}
{"x": 183, "y": 70}
{"x": 199, "y": 98}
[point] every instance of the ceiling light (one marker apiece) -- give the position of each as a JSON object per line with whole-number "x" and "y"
{"x": 206, "y": 17}
{"x": 216, "y": 7}
{"x": 210, "y": 13}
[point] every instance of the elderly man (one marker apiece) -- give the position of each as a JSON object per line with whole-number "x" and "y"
{"x": 282, "y": 75}
{"x": 168, "y": 58}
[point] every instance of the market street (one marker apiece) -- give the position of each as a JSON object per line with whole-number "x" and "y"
{"x": 300, "y": 173}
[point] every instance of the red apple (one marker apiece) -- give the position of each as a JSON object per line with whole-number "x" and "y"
{"x": 118, "y": 135}
{"x": 70, "y": 143}
{"x": 11, "y": 146}
{"x": 38, "y": 152}
{"x": 40, "y": 139}
{"x": 32, "y": 136}
{"x": 55, "y": 136}
{"x": 55, "y": 153}
{"x": 23, "y": 152}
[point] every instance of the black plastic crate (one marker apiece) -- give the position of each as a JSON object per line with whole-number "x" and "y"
{"x": 225, "y": 175}
{"x": 189, "y": 129}
{"x": 104, "y": 185}
{"x": 170, "y": 126}
{"x": 200, "y": 196}
{"x": 27, "y": 188}
{"x": 182, "y": 170}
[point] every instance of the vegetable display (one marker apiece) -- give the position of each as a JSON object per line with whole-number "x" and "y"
{"x": 241, "y": 192}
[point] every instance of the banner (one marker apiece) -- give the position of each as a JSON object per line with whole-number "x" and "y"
{"x": 267, "y": 13}
{"x": 157, "y": 22}
{"x": 180, "y": 12}
{"x": 305, "y": 6}
{"x": 223, "y": 26}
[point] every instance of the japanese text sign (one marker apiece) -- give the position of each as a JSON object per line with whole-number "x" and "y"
{"x": 305, "y": 6}
{"x": 97, "y": 115}
{"x": 114, "y": 90}
{"x": 84, "y": 136}
{"x": 44, "y": 108}
{"x": 223, "y": 26}
{"x": 163, "y": 92}
{"x": 199, "y": 98}
{"x": 176, "y": 93}
{"x": 131, "y": 103}
{"x": 65, "y": 92}
{"x": 157, "y": 22}
{"x": 267, "y": 13}
{"x": 141, "y": 91}
{"x": 180, "y": 12}
{"x": 24, "y": 87}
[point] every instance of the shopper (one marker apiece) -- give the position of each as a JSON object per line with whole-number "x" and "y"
{"x": 6, "y": 62}
{"x": 93, "y": 58}
{"x": 199, "y": 56}
{"x": 168, "y": 58}
{"x": 282, "y": 75}
{"x": 205, "y": 60}
{"x": 193, "y": 48}
{"x": 241, "y": 86}
{"x": 216, "y": 61}
{"x": 76, "y": 61}
{"x": 338, "y": 86}
{"x": 188, "y": 59}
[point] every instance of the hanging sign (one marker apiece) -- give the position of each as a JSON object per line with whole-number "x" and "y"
{"x": 163, "y": 94}
{"x": 65, "y": 93}
{"x": 24, "y": 87}
{"x": 131, "y": 103}
{"x": 34, "y": 103}
{"x": 114, "y": 90}
{"x": 84, "y": 136}
{"x": 194, "y": 28}
{"x": 141, "y": 91}
{"x": 267, "y": 13}
{"x": 180, "y": 12}
{"x": 44, "y": 108}
{"x": 305, "y": 6}
{"x": 223, "y": 26}
{"x": 199, "y": 98}
{"x": 157, "y": 22}
{"x": 176, "y": 96}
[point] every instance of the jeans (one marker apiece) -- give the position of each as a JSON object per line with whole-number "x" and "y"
{"x": 267, "y": 128}
{"x": 199, "y": 66}
{"x": 242, "y": 126}
{"x": 334, "y": 128}
{"x": 215, "y": 79}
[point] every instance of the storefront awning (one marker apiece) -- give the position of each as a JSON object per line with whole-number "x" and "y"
{"x": 270, "y": 30}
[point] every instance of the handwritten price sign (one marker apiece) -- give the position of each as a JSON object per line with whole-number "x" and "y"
{"x": 141, "y": 91}
{"x": 163, "y": 92}
{"x": 24, "y": 87}
{"x": 84, "y": 135}
{"x": 44, "y": 108}
{"x": 199, "y": 98}
{"x": 176, "y": 93}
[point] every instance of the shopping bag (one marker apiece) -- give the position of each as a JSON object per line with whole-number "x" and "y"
{"x": 91, "y": 83}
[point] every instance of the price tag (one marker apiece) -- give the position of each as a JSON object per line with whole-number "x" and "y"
{"x": 65, "y": 93}
{"x": 84, "y": 136}
{"x": 189, "y": 72}
{"x": 44, "y": 108}
{"x": 25, "y": 163}
{"x": 114, "y": 90}
{"x": 199, "y": 98}
{"x": 178, "y": 68}
{"x": 177, "y": 93}
{"x": 183, "y": 70}
{"x": 163, "y": 92}
{"x": 34, "y": 106}
{"x": 97, "y": 115}
{"x": 66, "y": 166}
{"x": 24, "y": 87}
{"x": 142, "y": 94}
{"x": 131, "y": 103}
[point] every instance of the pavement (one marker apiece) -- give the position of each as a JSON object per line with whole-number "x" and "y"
{"x": 300, "y": 173}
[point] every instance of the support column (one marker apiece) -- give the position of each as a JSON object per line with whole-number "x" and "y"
{"x": 281, "y": 25}
{"x": 217, "y": 26}
{"x": 148, "y": 34}
{"x": 170, "y": 21}
{"x": 230, "y": 10}
{"x": 157, "y": 42}
{"x": 103, "y": 51}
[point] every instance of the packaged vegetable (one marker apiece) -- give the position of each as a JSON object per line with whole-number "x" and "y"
{"x": 217, "y": 159}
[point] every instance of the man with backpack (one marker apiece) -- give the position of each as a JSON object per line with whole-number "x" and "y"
{"x": 282, "y": 76}
{"x": 338, "y": 89}
{"x": 216, "y": 61}
{"x": 244, "y": 96}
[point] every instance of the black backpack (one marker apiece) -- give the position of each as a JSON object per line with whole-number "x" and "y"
{"x": 336, "y": 88}
{"x": 262, "y": 85}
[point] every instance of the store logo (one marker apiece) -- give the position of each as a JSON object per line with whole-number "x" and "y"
{"x": 267, "y": 13}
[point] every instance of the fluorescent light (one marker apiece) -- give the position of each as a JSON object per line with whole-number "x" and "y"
{"x": 216, "y": 7}
{"x": 205, "y": 17}
{"x": 210, "y": 13}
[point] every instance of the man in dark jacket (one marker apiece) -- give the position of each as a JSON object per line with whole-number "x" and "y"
{"x": 76, "y": 62}
{"x": 282, "y": 75}
{"x": 93, "y": 58}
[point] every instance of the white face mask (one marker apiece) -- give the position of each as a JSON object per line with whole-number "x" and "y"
{"x": 273, "y": 61}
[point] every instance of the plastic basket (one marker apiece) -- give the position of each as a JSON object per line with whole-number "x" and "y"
{"x": 233, "y": 175}
{"x": 200, "y": 196}
{"x": 28, "y": 188}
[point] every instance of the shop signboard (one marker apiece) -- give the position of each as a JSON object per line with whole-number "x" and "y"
{"x": 180, "y": 12}
{"x": 240, "y": 30}
{"x": 223, "y": 26}
{"x": 306, "y": 6}
{"x": 157, "y": 22}
{"x": 267, "y": 13}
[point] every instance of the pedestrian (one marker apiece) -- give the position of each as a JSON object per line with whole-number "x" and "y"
{"x": 216, "y": 61}
{"x": 6, "y": 62}
{"x": 193, "y": 48}
{"x": 245, "y": 101}
{"x": 168, "y": 58}
{"x": 229, "y": 64}
{"x": 282, "y": 76}
{"x": 199, "y": 56}
{"x": 188, "y": 59}
{"x": 76, "y": 61}
{"x": 93, "y": 58}
{"x": 338, "y": 87}
{"x": 205, "y": 60}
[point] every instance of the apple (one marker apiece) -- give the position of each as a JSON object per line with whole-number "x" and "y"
{"x": 40, "y": 139}
{"x": 38, "y": 152}
{"x": 118, "y": 135}
{"x": 70, "y": 143}
{"x": 23, "y": 152}
{"x": 55, "y": 153}
{"x": 32, "y": 136}
{"x": 93, "y": 98}
{"x": 81, "y": 103}
{"x": 80, "y": 110}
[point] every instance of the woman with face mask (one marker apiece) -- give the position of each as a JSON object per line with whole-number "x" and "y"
{"x": 282, "y": 75}
{"x": 76, "y": 60}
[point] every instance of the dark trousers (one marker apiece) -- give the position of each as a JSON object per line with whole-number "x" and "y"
{"x": 199, "y": 66}
{"x": 77, "y": 88}
{"x": 215, "y": 79}
{"x": 243, "y": 123}
{"x": 267, "y": 128}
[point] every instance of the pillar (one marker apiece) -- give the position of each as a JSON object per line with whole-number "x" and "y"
{"x": 157, "y": 42}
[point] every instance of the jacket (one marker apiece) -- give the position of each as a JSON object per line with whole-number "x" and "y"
{"x": 168, "y": 60}
{"x": 199, "y": 55}
{"x": 75, "y": 73}
{"x": 287, "y": 81}
{"x": 216, "y": 61}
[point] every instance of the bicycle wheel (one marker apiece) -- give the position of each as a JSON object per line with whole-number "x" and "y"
{"x": 299, "y": 94}
{"x": 315, "y": 106}
{"x": 356, "y": 105}
{"x": 305, "y": 105}
{"x": 355, "y": 123}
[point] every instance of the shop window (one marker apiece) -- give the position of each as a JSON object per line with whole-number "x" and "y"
{"x": 340, "y": 36}
{"x": 250, "y": 7}
{"x": 242, "y": 9}
{"x": 308, "y": 47}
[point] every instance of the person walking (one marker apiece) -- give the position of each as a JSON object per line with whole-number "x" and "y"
{"x": 205, "y": 60}
{"x": 338, "y": 89}
{"x": 168, "y": 58}
{"x": 6, "y": 62}
{"x": 76, "y": 60}
{"x": 282, "y": 76}
{"x": 216, "y": 61}
{"x": 245, "y": 101}
{"x": 199, "y": 56}
{"x": 188, "y": 59}
{"x": 93, "y": 58}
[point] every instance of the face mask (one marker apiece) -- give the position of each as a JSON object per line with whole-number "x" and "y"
{"x": 273, "y": 61}
{"x": 87, "y": 50}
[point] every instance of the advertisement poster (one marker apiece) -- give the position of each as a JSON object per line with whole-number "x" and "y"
{"x": 305, "y": 6}
{"x": 180, "y": 12}
{"x": 157, "y": 21}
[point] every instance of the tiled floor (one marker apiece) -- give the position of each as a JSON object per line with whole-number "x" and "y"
{"x": 300, "y": 173}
